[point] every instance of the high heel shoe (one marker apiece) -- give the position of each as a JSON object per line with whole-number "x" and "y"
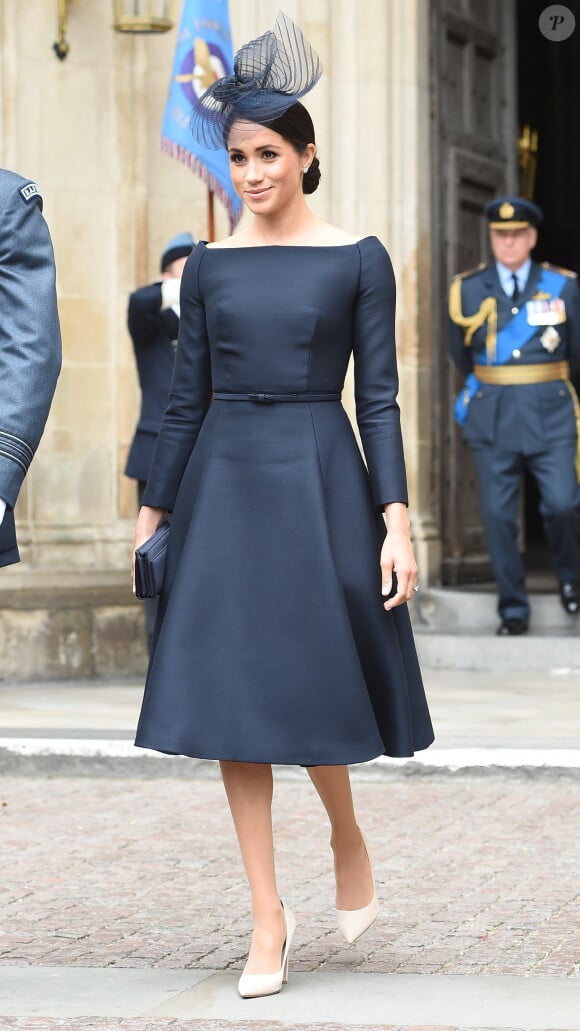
{"x": 253, "y": 986}
{"x": 354, "y": 922}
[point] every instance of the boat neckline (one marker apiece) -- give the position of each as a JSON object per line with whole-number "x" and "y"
{"x": 291, "y": 246}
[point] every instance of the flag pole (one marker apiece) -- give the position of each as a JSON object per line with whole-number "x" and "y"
{"x": 210, "y": 216}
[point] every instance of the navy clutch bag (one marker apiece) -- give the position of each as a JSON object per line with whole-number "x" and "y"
{"x": 150, "y": 563}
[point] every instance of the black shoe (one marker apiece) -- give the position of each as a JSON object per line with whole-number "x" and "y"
{"x": 511, "y": 627}
{"x": 570, "y": 595}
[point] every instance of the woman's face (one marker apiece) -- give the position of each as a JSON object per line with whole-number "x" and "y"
{"x": 265, "y": 168}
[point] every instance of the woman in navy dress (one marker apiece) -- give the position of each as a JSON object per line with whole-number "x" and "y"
{"x": 283, "y": 634}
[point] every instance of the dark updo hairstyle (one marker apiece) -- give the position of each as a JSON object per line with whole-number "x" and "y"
{"x": 296, "y": 126}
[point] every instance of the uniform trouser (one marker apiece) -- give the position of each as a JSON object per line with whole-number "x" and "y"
{"x": 500, "y": 474}
{"x": 150, "y": 603}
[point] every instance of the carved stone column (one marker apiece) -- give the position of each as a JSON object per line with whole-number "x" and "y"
{"x": 380, "y": 184}
{"x": 408, "y": 236}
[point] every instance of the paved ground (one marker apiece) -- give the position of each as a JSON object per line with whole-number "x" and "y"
{"x": 141, "y": 878}
{"x": 526, "y": 708}
{"x": 160, "y": 1024}
{"x": 476, "y": 877}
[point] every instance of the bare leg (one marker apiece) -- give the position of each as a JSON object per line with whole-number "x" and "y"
{"x": 249, "y": 790}
{"x": 354, "y": 885}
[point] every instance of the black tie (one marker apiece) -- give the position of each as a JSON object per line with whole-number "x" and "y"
{"x": 516, "y": 293}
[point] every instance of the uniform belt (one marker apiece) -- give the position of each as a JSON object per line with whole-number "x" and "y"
{"x": 516, "y": 375}
{"x": 269, "y": 399}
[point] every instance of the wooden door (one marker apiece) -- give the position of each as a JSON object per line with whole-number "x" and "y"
{"x": 474, "y": 147}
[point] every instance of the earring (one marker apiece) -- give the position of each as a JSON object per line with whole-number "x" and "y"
{"x": 305, "y": 170}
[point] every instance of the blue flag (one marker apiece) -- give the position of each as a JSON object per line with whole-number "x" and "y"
{"x": 203, "y": 54}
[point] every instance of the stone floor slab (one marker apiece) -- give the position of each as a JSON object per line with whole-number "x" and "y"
{"x": 348, "y": 1000}
{"x": 81, "y": 992}
{"x": 526, "y": 708}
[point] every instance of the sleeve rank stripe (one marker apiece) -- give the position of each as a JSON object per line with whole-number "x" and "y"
{"x": 21, "y": 444}
{"x": 9, "y": 454}
{"x": 25, "y": 456}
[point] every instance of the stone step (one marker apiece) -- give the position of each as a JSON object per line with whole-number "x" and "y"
{"x": 456, "y": 629}
{"x": 457, "y": 610}
{"x": 498, "y": 654}
{"x": 65, "y": 624}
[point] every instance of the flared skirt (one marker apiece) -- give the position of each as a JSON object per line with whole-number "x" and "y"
{"x": 272, "y": 644}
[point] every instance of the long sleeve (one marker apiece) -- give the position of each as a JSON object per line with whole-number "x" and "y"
{"x": 189, "y": 397}
{"x": 376, "y": 377}
{"x": 148, "y": 316}
{"x": 30, "y": 347}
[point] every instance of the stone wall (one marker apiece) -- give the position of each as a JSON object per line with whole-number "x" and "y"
{"x": 87, "y": 129}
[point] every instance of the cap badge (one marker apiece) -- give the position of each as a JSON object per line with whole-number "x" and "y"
{"x": 507, "y": 210}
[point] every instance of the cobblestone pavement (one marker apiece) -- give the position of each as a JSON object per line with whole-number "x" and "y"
{"x": 476, "y": 876}
{"x": 160, "y": 1024}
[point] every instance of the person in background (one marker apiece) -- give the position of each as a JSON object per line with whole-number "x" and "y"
{"x": 30, "y": 345}
{"x": 153, "y": 321}
{"x": 514, "y": 331}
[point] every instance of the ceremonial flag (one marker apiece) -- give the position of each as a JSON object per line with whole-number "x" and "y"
{"x": 203, "y": 54}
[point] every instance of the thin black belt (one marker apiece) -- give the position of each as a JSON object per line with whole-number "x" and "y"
{"x": 270, "y": 399}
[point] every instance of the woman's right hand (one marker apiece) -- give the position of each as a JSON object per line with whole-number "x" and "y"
{"x": 147, "y": 522}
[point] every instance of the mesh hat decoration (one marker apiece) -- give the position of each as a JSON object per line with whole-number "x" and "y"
{"x": 270, "y": 74}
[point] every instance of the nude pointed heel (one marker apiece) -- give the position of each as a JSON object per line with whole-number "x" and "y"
{"x": 253, "y": 986}
{"x": 354, "y": 922}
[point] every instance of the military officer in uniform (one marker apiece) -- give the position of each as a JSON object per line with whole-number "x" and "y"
{"x": 514, "y": 332}
{"x": 153, "y": 321}
{"x": 30, "y": 348}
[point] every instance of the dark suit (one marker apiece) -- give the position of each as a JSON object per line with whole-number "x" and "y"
{"x": 30, "y": 348}
{"x": 153, "y": 332}
{"x": 522, "y": 426}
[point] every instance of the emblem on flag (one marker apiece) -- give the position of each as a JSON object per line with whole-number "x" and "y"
{"x": 203, "y": 54}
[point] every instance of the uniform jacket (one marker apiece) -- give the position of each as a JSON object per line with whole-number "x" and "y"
{"x": 153, "y": 331}
{"x": 30, "y": 347}
{"x": 531, "y": 417}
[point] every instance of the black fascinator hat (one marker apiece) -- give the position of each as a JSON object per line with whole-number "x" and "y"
{"x": 270, "y": 74}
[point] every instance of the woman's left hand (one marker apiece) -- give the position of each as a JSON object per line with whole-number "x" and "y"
{"x": 397, "y": 557}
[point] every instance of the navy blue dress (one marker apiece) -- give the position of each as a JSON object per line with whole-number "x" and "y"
{"x": 272, "y": 644}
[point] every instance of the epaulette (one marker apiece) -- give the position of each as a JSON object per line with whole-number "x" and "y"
{"x": 470, "y": 272}
{"x": 563, "y": 271}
